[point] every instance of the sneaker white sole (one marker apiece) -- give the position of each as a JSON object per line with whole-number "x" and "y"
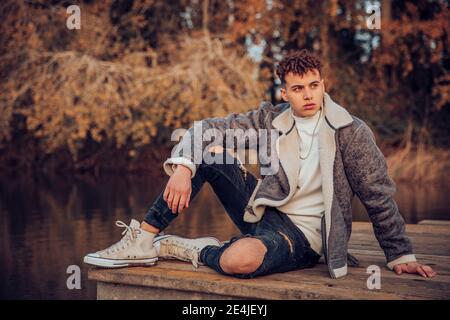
{"x": 115, "y": 263}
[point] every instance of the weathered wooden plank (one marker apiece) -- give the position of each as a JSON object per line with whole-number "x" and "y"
{"x": 178, "y": 280}
{"x": 368, "y": 257}
{"x": 424, "y": 238}
{"x": 351, "y": 287}
{"x": 260, "y": 288}
{"x": 435, "y": 222}
{"x": 405, "y": 286}
{"x": 421, "y": 244}
{"x": 418, "y": 249}
{"x": 410, "y": 228}
{"x": 114, "y": 291}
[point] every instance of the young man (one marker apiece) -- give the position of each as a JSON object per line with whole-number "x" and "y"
{"x": 290, "y": 217}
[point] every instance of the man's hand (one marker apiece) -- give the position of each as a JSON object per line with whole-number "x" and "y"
{"x": 178, "y": 189}
{"x": 414, "y": 267}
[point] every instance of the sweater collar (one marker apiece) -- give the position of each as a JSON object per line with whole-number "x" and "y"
{"x": 306, "y": 120}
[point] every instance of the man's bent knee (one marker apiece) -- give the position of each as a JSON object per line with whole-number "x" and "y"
{"x": 243, "y": 256}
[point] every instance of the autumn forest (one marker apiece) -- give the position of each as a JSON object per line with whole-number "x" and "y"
{"x": 108, "y": 95}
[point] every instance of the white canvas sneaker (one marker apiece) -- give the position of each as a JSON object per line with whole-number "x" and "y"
{"x": 174, "y": 247}
{"x": 134, "y": 249}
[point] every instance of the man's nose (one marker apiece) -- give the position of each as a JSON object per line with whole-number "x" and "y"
{"x": 307, "y": 94}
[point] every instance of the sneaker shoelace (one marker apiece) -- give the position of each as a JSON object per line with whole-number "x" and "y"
{"x": 189, "y": 252}
{"x": 130, "y": 234}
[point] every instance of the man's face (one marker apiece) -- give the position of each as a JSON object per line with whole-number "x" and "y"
{"x": 305, "y": 93}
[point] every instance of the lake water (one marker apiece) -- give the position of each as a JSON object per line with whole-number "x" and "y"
{"x": 48, "y": 223}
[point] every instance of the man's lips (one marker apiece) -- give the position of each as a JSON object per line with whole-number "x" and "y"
{"x": 309, "y": 106}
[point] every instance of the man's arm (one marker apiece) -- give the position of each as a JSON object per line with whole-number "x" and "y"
{"x": 367, "y": 173}
{"x": 183, "y": 153}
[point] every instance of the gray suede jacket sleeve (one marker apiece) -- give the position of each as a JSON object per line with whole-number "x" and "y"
{"x": 183, "y": 153}
{"x": 366, "y": 170}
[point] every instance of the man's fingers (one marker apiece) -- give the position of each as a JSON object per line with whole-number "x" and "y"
{"x": 176, "y": 199}
{"x": 398, "y": 269}
{"x": 182, "y": 202}
{"x": 421, "y": 271}
{"x": 427, "y": 268}
{"x": 424, "y": 270}
{"x": 188, "y": 199}
{"x": 181, "y": 206}
{"x": 429, "y": 271}
{"x": 170, "y": 198}
{"x": 166, "y": 193}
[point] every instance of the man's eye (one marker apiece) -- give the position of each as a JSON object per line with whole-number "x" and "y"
{"x": 314, "y": 85}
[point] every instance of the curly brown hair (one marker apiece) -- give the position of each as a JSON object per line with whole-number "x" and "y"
{"x": 298, "y": 62}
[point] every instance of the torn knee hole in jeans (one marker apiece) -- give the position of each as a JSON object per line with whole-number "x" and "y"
{"x": 288, "y": 240}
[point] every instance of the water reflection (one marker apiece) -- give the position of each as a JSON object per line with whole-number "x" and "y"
{"x": 49, "y": 222}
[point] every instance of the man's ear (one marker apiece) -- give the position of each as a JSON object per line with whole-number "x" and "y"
{"x": 323, "y": 84}
{"x": 284, "y": 94}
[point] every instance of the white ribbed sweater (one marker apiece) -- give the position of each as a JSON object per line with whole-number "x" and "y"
{"x": 306, "y": 206}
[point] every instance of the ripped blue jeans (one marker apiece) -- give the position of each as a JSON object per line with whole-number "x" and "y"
{"x": 287, "y": 247}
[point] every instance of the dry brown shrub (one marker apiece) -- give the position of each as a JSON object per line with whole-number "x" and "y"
{"x": 420, "y": 162}
{"x": 98, "y": 90}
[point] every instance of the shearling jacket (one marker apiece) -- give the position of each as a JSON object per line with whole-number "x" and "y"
{"x": 350, "y": 164}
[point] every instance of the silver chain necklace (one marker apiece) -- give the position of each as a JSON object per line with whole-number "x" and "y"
{"x": 312, "y": 139}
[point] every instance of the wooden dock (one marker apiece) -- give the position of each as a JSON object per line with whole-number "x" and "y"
{"x": 179, "y": 280}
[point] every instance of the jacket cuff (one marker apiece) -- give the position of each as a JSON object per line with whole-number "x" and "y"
{"x": 402, "y": 259}
{"x": 171, "y": 164}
